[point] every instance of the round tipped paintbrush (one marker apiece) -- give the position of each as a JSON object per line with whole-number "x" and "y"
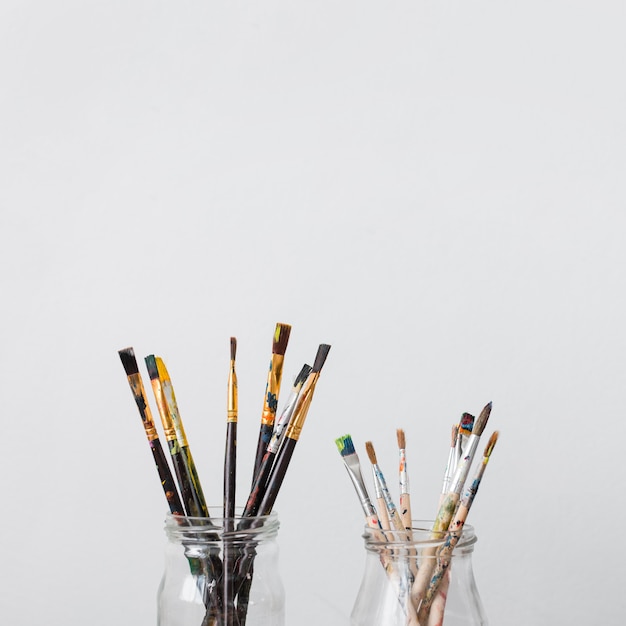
{"x": 230, "y": 454}
{"x": 455, "y": 529}
{"x": 384, "y": 500}
{"x": 272, "y": 390}
{"x": 450, "y": 501}
{"x": 127, "y": 356}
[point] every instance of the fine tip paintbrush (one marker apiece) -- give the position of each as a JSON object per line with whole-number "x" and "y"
{"x": 382, "y": 493}
{"x": 405, "y": 492}
{"x": 272, "y": 389}
{"x": 260, "y": 482}
{"x": 455, "y": 529}
{"x": 129, "y": 362}
{"x": 293, "y": 432}
{"x": 350, "y": 459}
{"x": 230, "y": 454}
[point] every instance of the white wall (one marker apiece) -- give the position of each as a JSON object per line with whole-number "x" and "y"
{"x": 435, "y": 188}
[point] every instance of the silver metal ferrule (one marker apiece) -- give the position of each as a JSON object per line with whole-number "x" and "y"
{"x": 354, "y": 471}
{"x": 462, "y": 470}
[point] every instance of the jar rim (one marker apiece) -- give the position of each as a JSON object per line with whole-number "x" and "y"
{"x": 421, "y": 536}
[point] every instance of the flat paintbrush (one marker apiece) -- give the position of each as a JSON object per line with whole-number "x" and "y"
{"x": 466, "y": 426}
{"x": 455, "y": 530}
{"x": 292, "y": 434}
{"x": 260, "y": 483}
{"x": 180, "y": 467}
{"x": 127, "y": 356}
{"x": 199, "y": 507}
{"x": 272, "y": 389}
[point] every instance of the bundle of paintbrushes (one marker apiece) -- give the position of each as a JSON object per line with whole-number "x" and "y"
{"x": 227, "y": 577}
{"x": 420, "y": 582}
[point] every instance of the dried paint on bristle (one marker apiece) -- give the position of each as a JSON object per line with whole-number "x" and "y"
{"x": 369, "y": 447}
{"x": 127, "y": 355}
{"x": 233, "y": 348}
{"x": 345, "y": 445}
{"x": 454, "y": 435}
{"x": 401, "y": 438}
{"x": 320, "y": 357}
{"x": 491, "y": 443}
{"x": 152, "y": 367}
{"x": 467, "y": 424}
{"x": 481, "y": 422}
{"x": 303, "y": 375}
{"x": 281, "y": 338}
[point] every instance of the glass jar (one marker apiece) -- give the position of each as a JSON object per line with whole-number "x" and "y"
{"x": 221, "y": 572}
{"x": 412, "y": 579}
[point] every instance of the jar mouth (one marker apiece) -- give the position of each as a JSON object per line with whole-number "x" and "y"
{"x": 218, "y": 528}
{"x": 419, "y": 537}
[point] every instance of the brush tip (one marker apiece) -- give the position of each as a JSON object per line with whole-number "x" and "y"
{"x": 153, "y": 372}
{"x": 320, "y": 357}
{"x": 281, "y": 338}
{"x": 369, "y": 448}
{"x": 401, "y": 438}
{"x": 303, "y": 375}
{"x": 127, "y": 356}
{"x": 345, "y": 445}
{"x": 467, "y": 424}
{"x": 233, "y": 348}
{"x": 481, "y": 422}
{"x": 491, "y": 443}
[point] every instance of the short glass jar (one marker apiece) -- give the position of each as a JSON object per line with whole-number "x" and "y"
{"x": 401, "y": 567}
{"x": 221, "y": 572}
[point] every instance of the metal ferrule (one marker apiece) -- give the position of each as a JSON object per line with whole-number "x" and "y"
{"x": 170, "y": 398}
{"x": 272, "y": 389}
{"x": 378, "y": 490}
{"x": 460, "y": 476}
{"x": 354, "y": 471}
{"x": 232, "y": 404}
{"x": 294, "y": 429}
{"x": 282, "y": 421}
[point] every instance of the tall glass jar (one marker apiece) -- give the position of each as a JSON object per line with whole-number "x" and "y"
{"x": 221, "y": 572}
{"x": 409, "y": 580}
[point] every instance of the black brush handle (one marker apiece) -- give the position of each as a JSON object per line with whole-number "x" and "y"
{"x": 259, "y": 486}
{"x": 265, "y": 435}
{"x": 167, "y": 480}
{"x": 277, "y": 476}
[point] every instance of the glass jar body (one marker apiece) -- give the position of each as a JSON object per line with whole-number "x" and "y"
{"x": 399, "y": 585}
{"x": 221, "y": 572}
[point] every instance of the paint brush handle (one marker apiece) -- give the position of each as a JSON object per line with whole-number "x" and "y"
{"x": 167, "y": 480}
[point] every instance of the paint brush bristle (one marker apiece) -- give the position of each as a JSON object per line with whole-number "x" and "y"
{"x": 401, "y": 438}
{"x": 345, "y": 445}
{"x": 491, "y": 443}
{"x": 320, "y": 357}
{"x": 233, "y": 348}
{"x": 127, "y": 355}
{"x": 303, "y": 375}
{"x": 369, "y": 447}
{"x": 466, "y": 425}
{"x": 152, "y": 367}
{"x": 281, "y": 338}
{"x": 481, "y": 422}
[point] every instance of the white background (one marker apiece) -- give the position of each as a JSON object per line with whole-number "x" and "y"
{"x": 435, "y": 188}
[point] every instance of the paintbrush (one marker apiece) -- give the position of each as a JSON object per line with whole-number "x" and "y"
{"x": 465, "y": 430}
{"x": 449, "y": 503}
{"x": 230, "y": 477}
{"x": 180, "y": 467}
{"x": 451, "y": 464}
{"x": 353, "y": 466}
{"x": 199, "y": 503}
{"x": 127, "y": 356}
{"x": 260, "y": 483}
{"x": 272, "y": 389}
{"x": 405, "y": 492}
{"x": 230, "y": 455}
{"x": 455, "y": 529}
{"x": 292, "y": 434}
{"x": 382, "y": 492}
